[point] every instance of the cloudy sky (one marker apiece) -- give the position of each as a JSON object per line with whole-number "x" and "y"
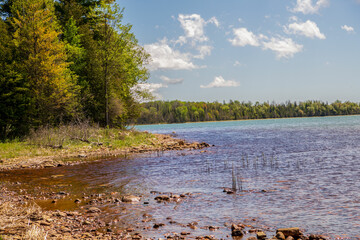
{"x": 250, "y": 50}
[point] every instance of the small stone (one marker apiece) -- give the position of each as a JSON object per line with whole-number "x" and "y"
{"x": 157, "y": 225}
{"x": 93, "y": 210}
{"x": 60, "y": 214}
{"x": 289, "y": 238}
{"x": 251, "y": 238}
{"x": 261, "y": 235}
{"x": 185, "y": 233}
{"x": 280, "y": 236}
{"x": 236, "y": 230}
{"x": 293, "y": 232}
{"x": 162, "y": 198}
{"x": 317, "y": 237}
{"x": 77, "y": 201}
{"x": 130, "y": 199}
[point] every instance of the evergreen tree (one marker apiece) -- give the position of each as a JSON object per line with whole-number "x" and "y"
{"x": 41, "y": 59}
{"x": 13, "y": 91}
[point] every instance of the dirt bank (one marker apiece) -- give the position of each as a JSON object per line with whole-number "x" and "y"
{"x": 160, "y": 142}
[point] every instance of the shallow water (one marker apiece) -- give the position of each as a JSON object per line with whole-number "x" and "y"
{"x": 300, "y": 172}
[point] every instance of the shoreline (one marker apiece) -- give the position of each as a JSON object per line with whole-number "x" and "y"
{"x": 161, "y": 142}
{"x": 254, "y": 119}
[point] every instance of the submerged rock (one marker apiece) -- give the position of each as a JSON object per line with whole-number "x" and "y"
{"x": 236, "y": 230}
{"x": 130, "y": 199}
{"x": 293, "y": 232}
{"x": 93, "y": 210}
{"x": 261, "y": 235}
{"x": 162, "y": 198}
{"x": 317, "y": 237}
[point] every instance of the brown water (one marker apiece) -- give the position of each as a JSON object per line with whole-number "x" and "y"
{"x": 294, "y": 172}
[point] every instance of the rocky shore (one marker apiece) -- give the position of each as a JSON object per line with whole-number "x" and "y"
{"x": 160, "y": 143}
{"x": 20, "y": 218}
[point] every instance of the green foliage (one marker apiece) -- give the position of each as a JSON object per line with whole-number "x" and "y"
{"x": 115, "y": 64}
{"x": 177, "y": 111}
{"x": 65, "y": 60}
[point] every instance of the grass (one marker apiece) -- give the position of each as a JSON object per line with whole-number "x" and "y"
{"x": 72, "y": 139}
{"x": 17, "y": 216}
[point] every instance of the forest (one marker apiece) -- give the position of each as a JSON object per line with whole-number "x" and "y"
{"x": 179, "y": 112}
{"x": 67, "y": 60}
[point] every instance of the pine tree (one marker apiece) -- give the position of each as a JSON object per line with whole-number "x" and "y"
{"x": 13, "y": 91}
{"x": 41, "y": 59}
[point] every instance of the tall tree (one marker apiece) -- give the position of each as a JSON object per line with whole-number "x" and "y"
{"x": 13, "y": 90}
{"x": 41, "y": 59}
{"x": 115, "y": 65}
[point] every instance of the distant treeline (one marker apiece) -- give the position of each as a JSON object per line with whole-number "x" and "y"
{"x": 178, "y": 111}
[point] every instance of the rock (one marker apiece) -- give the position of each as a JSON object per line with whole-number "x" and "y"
{"x": 317, "y": 237}
{"x": 157, "y": 225}
{"x": 236, "y": 230}
{"x": 293, "y": 232}
{"x": 77, "y": 201}
{"x": 280, "y": 236}
{"x": 60, "y": 214}
{"x": 213, "y": 228}
{"x": 289, "y": 238}
{"x": 261, "y": 235}
{"x": 228, "y": 190}
{"x": 82, "y": 156}
{"x": 251, "y": 238}
{"x": 185, "y": 233}
{"x": 162, "y": 198}
{"x": 130, "y": 199}
{"x": 93, "y": 210}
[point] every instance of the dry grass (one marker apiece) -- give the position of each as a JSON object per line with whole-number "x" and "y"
{"x": 15, "y": 220}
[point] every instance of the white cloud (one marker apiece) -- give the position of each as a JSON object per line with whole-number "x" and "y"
{"x": 238, "y": 64}
{"x": 164, "y": 57}
{"x": 221, "y": 82}
{"x": 151, "y": 88}
{"x": 244, "y": 37}
{"x": 349, "y": 29}
{"x": 171, "y": 80}
{"x": 308, "y": 29}
{"x": 308, "y": 7}
{"x": 193, "y": 26}
{"x": 283, "y": 47}
{"x": 203, "y": 51}
{"x": 214, "y": 21}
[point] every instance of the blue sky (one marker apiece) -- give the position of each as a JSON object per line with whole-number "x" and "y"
{"x": 250, "y": 50}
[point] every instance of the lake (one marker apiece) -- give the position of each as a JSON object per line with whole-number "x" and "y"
{"x": 300, "y": 172}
